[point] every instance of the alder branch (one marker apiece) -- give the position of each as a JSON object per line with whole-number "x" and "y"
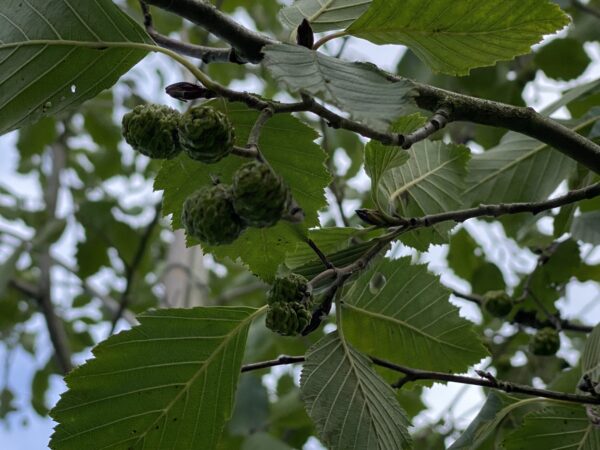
{"x": 132, "y": 267}
{"x": 411, "y": 375}
{"x": 463, "y": 107}
{"x": 188, "y": 91}
{"x": 254, "y": 136}
{"x": 281, "y": 361}
{"x": 438, "y": 121}
{"x": 495, "y": 210}
{"x": 206, "y": 54}
{"x": 487, "y": 380}
{"x": 529, "y": 320}
{"x": 319, "y": 253}
{"x": 54, "y": 323}
{"x": 520, "y": 119}
{"x": 247, "y": 43}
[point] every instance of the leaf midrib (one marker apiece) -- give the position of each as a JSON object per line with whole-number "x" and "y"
{"x": 526, "y": 156}
{"x": 401, "y": 323}
{"x": 235, "y": 331}
{"x": 421, "y": 178}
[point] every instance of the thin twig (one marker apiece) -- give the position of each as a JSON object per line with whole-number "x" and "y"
{"x": 254, "y": 136}
{"x": 336, "y": 121}
{"x": 206, "y": 54}
{"x": 132, "y": 267}
{"x": 248, "y": 43}
{"x": 464, "y": 108}
{"x": 281, "y": 361}
{"x": 56, "y": 328}
{"x": 244, "y": 152}
{"x": 329, "y": 37}
{"x": 319, "y": 253}
{"x": 491, "y": 382}
{"x": 411, "y": 375}
{"x": 496, "y": 210}
{"x": 528, "y": 320}
{"x": 438, "y": 121}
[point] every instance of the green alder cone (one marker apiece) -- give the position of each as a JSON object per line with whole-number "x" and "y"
{"x": 260, "y": 196}
{"x": 292, "y": 288}
{"x": 152, "y": 131}
{"x": 208, "y": 216}
{"x": 288, "y": 319}
{"x": 545, "y": 342}
{"x": 497, "y": 303}
{"x": 290, "y": 305}
{"x": 206, "y": 134}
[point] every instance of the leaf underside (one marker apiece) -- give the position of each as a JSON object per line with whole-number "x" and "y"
{"x": 556, "y": 428}
{"x": 351, "y": 406}
{"x": 48, "y": 77}
{"x": 358, "y": 88}
{"x": 323, "y": 15}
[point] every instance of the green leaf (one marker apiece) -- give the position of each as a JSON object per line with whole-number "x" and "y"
{"x": 585, "y": 227}
{"x": 168, "y": 382}
{"x": 454, "y": 37}
{"x": 590, "y": 358}
{"x": 551, "y": 59}
{"x": 381, "y": 158}
{"x": 358, "y": 88}
{"x": 554, "y": 428}
{"x": 409, "y": 320}
{"x": 351, "y": 406}
{"x": 538, "y": 168}
{"x": 496, "y": 408}
{"x": 288, "y": 145}
{"x": 44, "y": 69}
{"x": 323, "y": 15}
{"x": 432, "y": 181}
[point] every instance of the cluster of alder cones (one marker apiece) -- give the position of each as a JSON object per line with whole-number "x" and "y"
{"x": 218, "y": 214}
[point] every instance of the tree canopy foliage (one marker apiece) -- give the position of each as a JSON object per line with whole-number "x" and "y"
{"x": 342, "y": 216}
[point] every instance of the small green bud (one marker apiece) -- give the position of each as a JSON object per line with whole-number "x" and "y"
{"x": 152, "y": 131}
{"x": 208, "y": 216}
{"x": 497, "y": 303}
{"x": 260, "y": 196}
{"x": 206, "y": 134}
{"x": 545, "y": 342}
